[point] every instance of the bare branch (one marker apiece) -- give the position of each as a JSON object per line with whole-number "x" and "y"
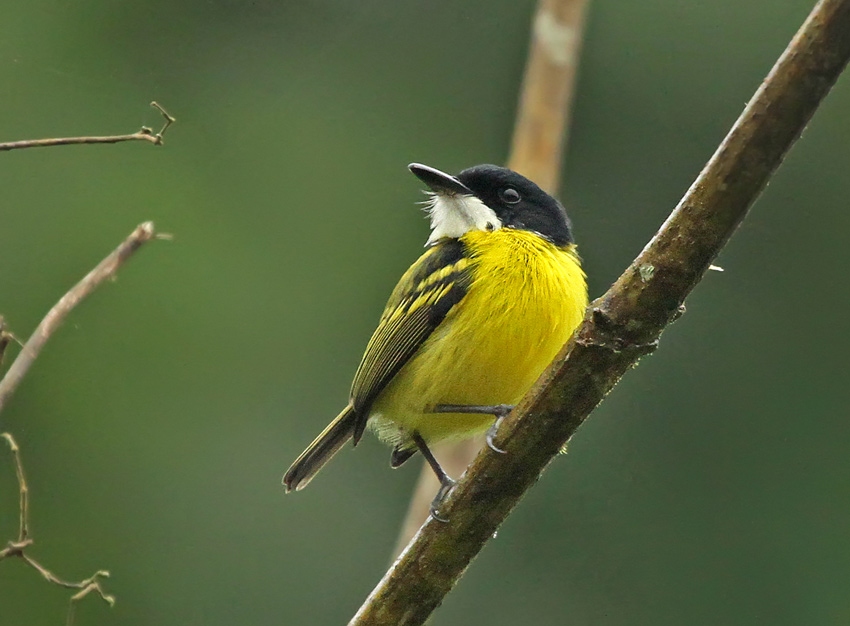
{"x": 539, "y": 136}
{"x": 18, "y": 548}
{"x": 23, "y": 490}
{"x": 105, "y": 269}
{"x": 89, "y": 585}
{"x": 621, "y": 326}
{"x": 143, "y": 134}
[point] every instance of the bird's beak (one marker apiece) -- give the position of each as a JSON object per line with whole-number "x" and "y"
{"x": 439, "y": 182}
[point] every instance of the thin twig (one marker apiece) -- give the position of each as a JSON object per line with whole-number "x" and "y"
{"x": 143, "y": 134}
{"x": 105, "y": 269}
{"x": 89, "y": 585}
{"x": 23, "y": 490}
{"x": 86, "y": 585}
{"x": 622, "y": 325}
{"x": 18, "y": 548}
{"x": 539, "y": 139}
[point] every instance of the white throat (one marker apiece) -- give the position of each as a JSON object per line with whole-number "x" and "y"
{"x": 456, "y": 215}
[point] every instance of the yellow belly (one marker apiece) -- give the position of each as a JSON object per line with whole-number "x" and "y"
{"x": 526, "y": 298}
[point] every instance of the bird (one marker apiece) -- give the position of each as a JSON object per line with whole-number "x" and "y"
{"x": 470, "y": 325}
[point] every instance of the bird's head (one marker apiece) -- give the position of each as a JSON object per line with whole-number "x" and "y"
{"x": 487, "y": 198}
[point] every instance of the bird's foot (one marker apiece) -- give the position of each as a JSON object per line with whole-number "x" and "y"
{"x": 446, "y": 483}
{"x": 446, "y": 487}
{"x": 500, "y": 411}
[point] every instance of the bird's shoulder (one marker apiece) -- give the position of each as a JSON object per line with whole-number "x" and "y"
{"x": 439, "y": 278}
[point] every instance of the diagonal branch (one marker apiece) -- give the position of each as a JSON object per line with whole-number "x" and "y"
{"x": 621, "y": 326}
{"x": 105, "y": 269}
{"x": 143, "y": 134}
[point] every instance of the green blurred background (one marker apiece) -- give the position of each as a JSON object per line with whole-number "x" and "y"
{"x": 713, "y": 485}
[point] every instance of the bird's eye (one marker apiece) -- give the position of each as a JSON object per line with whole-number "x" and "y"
{"x": 509, "y": 195}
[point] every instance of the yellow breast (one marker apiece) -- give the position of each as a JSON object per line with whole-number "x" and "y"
{"x": 526, "y": 298}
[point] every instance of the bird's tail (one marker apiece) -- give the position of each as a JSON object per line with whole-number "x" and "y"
{"x": 327, "y": 444}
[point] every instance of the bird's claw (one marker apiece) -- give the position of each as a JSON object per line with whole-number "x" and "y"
{"x": 501, "y": 411}
{"x": 445, "y": 489}
{"x": 491, "y": 435}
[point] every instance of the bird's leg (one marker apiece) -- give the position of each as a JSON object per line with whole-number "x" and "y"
{"x": 446, "y": 483}
{"x": 500, "y": 411}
